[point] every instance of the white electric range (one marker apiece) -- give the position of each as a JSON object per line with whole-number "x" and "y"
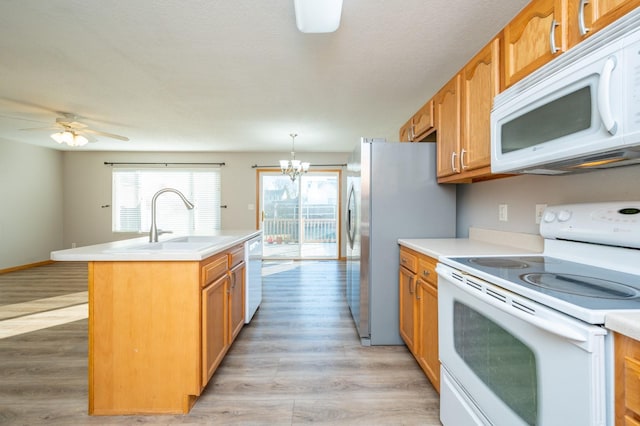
{"x": 522, "y": 338}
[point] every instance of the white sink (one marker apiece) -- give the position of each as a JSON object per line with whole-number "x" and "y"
{"x": 179, "y": 244}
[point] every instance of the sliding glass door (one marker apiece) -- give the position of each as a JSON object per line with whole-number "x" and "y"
{"x": 299, "y": 219}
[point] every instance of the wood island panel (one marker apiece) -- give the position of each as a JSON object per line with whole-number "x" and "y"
{"x": 144, "y": 337}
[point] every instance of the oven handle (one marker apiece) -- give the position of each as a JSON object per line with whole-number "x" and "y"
{"x": 553, "y": 328}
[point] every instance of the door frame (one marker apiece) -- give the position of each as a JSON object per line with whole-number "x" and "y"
{"x": 259, "y": 213}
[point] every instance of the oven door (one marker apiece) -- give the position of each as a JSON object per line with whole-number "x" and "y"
{"x": 509, "y": 361}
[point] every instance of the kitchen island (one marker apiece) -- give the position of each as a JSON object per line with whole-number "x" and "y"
{"x": 161, "y": 318}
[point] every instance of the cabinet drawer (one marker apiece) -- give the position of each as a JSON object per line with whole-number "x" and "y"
{"x": 632, "y": 384}
{"x": 408, "y": 260}
{"x": 213, "y": 269}
{"x": 427, "y": 270}
{"x": 236, "y": 255}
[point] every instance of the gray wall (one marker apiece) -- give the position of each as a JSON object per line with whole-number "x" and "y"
{"x": 31, "y": 200}
{"x": 478, "y": 203}
{"x": 87, "y": 183}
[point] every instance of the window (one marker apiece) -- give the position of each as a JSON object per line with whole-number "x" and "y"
{"x": 133, "y": 190}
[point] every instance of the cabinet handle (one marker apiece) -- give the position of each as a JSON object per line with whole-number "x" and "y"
{"x": 583, "y": 29}
{"x": 411, "y": 133}
{"x": 453, "y": 162}
{"x": 417, "y": 295}
{"x": 411, "y": 289}
{"x": 426, "y": 273}
{"x": 552, "y": 37}
{"x": 462, "y": 165}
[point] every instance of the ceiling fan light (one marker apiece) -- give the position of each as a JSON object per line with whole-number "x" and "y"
{"x": 318, "y": 16}
{"x": 58, "y": 137}
{"x": 79, "y": 140}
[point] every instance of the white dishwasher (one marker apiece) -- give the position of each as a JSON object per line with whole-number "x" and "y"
{"x": 253, "y": 279}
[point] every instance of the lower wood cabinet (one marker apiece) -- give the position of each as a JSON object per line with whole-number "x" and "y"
{"x": 215, "y": 338}
{"x": 627, "y": 381}
{"x": 418, "y": 288}
{"x": 158, "y": 330}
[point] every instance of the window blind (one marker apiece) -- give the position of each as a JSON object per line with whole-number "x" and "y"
{"x": 133, "y": 190}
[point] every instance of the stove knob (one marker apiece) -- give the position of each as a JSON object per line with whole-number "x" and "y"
{"x": 549, "y": 216}
{"x": 564, "y": 215}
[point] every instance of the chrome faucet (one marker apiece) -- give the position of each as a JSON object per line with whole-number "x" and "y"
{"x": 153, "y": 232}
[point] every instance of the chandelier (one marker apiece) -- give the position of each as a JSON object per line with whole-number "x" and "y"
{"x": 293, "y": 168}
{"x": 69, "y": 137}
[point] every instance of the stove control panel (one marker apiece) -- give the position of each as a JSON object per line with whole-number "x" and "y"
{"x": 611, "y": 223}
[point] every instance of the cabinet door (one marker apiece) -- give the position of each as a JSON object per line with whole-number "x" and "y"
{"x": 587, "y": 17}
{"x": 481, "y": 82}
{"x": 427, "y": 353}
{"x": 627, "y": 380}
{"x": 448, "y": 117}
{"x": 236, "y": 300}
{"x": 423, "y": 121}
{"x": 534, "y": 37}
{"x": 405, "y": 134}
{"x": 215, "y": 341}
{"x": 407, "y": 301}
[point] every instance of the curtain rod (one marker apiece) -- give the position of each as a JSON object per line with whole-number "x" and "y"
{"x": 255, "y": 166}
{"x": 109, "y": 163}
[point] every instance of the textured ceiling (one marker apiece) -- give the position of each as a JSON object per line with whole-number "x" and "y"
{"x": 230, "y": 75}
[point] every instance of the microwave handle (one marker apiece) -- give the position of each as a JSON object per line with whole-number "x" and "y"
{"x": 604, "y": 96}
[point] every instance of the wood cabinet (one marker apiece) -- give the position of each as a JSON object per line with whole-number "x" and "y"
{"x": 534, "y": 37}
{"x": 447, "y": 102}
{"x": 215, "y": 338}
{"x": 464, "y": 140}
{"x": 418, "y": 287}
{"x": 420, "y": 125}
{"x": 627, "y": 380}
{"x": 407, "y": 296}
{"x": 587, "y": 17}
{"x": 427, "y": 313}
{"x": 158, "y": 330}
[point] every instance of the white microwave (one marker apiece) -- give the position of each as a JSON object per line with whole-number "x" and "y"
{"x": 579, "y": 112}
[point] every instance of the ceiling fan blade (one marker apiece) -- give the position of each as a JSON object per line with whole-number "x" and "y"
{"x": 52, "y": 128}
{"x": 105, "y": 134}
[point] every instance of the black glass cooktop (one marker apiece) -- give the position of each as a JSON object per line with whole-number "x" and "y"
{"x": 577, "y": 283}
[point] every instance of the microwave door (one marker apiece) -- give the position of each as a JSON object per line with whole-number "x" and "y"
{"x": 573, "y": 112}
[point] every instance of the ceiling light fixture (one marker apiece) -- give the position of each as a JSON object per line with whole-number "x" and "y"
{"x": 70, "y": 138}
{"x": 293, "y": 168}
{"x": 318, "y": 16}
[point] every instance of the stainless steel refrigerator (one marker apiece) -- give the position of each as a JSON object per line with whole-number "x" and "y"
{"x": 392, "y": 193}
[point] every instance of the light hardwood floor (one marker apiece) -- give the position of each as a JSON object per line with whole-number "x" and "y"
{"x": 298, "y": 362}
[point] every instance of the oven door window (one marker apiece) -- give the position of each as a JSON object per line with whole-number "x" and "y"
{"x": 505, "y": 364}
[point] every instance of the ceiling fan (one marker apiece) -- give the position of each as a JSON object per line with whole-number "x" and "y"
{"x": 75, "y": 133}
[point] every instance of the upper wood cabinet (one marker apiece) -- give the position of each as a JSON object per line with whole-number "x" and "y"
{"x": 420, "y": 125}
{"x": 447, "y": 103}
{"x": 587, "y": 17}
{"x": 534, "y": 37}
{"x": 463, "y": 108}
{"x": 480, "y": 84}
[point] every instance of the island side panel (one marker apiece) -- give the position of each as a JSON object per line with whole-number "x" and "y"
{"x": 144, "y": 337}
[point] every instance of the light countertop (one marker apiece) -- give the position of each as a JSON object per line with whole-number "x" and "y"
{"x": 448, "y": 247}
{"x": 139, "y": 249}
{"x": 624, "y": 323}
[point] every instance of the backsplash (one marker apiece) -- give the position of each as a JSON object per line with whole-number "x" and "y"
{"x": 478, "y": 203}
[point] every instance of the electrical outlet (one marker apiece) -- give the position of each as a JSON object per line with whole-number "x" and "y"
{"x": 539, "y": 211}
{"x": 503, "y": 212}
{"x": 73, "y": 245}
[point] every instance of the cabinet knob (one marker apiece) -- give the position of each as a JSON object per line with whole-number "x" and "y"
{"x": 426, "y": 273}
